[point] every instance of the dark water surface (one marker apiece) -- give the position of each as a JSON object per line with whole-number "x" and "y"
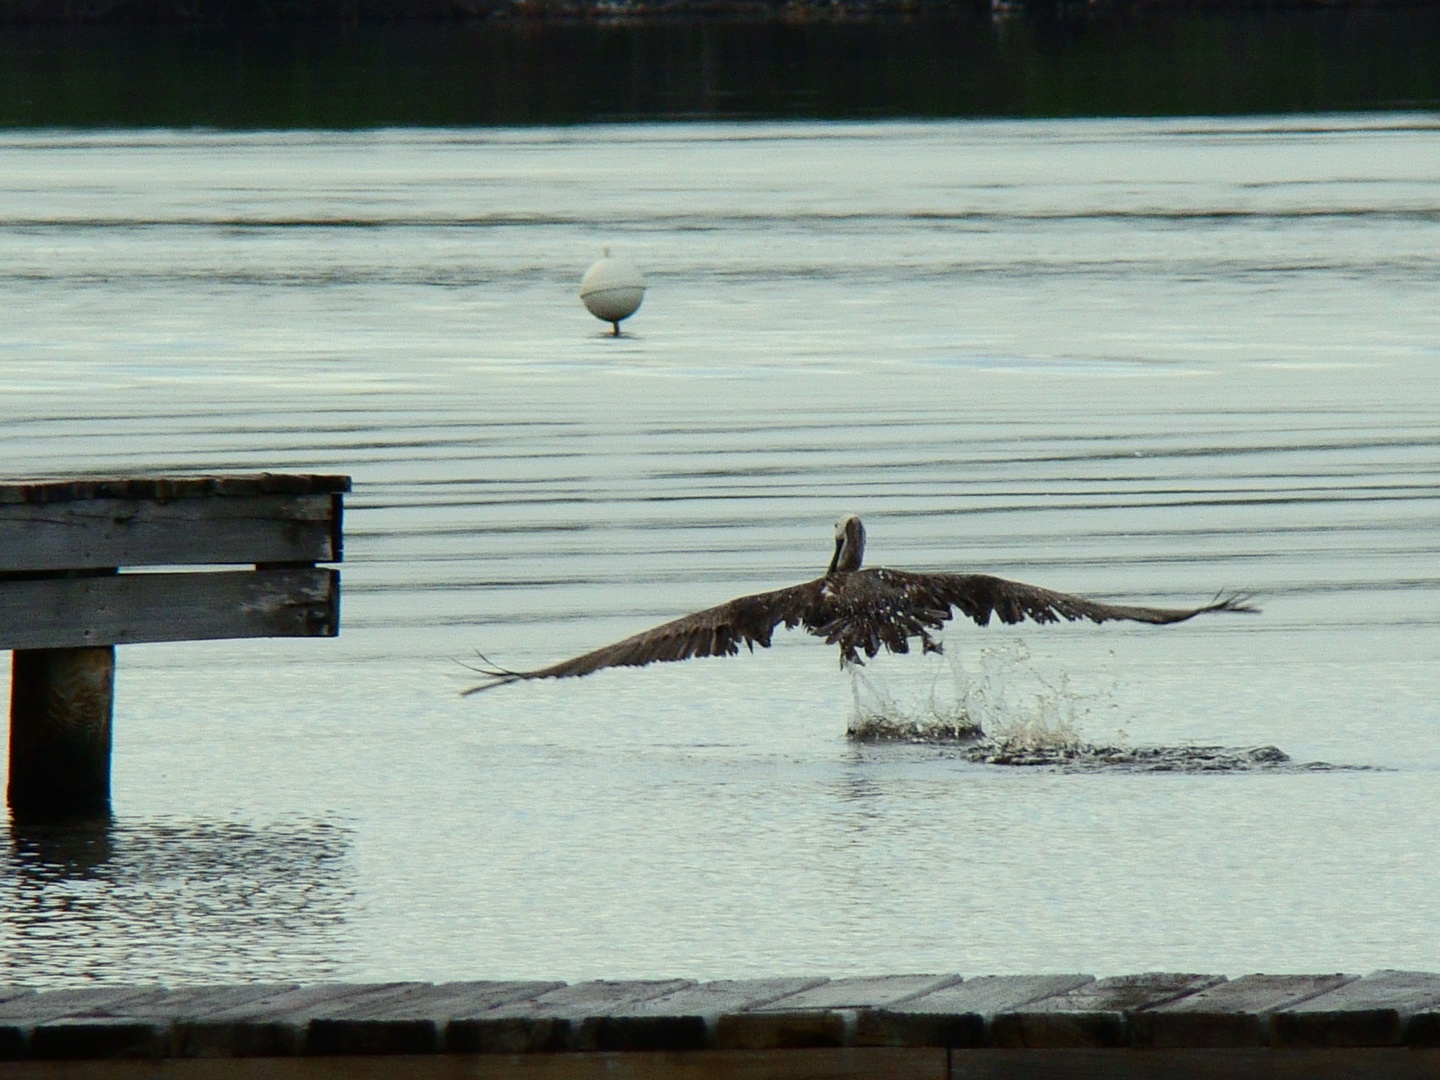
{"x": 564, "y": 73}
{"x": 1141, "y": 359}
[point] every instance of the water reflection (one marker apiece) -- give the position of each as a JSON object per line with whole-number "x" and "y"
{"x": 568, "y": 72}
{"x": 178, "y": 900}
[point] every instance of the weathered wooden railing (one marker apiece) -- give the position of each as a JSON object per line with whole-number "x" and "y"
{"x": 71, "y": 589}
{"x": 917, "y": 1027}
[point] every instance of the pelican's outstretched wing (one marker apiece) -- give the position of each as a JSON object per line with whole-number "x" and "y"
{"x": 717, "y": 631}
{"x": 886, "y": 608}
{"x": 979, "y": 595}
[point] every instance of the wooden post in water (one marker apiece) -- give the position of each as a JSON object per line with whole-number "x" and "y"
{"x": 60, "y": 706}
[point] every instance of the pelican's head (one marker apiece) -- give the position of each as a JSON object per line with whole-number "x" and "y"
{"x": 849, "y": 545}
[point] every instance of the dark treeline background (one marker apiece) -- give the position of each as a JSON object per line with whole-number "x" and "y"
{"x": 539, "y": 71}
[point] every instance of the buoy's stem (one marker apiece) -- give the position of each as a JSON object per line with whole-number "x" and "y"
{"x": 615, "y": 323}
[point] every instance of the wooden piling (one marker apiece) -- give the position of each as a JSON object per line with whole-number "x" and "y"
{"x": 61, "y": 702}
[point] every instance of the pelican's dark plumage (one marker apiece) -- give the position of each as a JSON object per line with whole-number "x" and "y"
{"x": 862, "y": 611}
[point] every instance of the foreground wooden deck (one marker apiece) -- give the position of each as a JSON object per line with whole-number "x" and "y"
{"x": 923, "y": 1026}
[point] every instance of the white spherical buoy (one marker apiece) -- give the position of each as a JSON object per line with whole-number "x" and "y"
{"x": 612, "y": 289}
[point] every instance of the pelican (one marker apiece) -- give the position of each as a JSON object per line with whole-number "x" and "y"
{"x": 859, "y": 610}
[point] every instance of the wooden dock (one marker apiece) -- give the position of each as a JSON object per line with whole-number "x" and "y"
{"x": 88, "y": 564}
{"x": 925, "y": 1027}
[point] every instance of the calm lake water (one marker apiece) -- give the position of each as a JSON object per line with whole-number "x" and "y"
{"x": 1140, "y": 359}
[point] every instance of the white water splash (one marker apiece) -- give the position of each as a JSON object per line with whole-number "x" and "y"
{"x": 1007, "y": 700}
{"x": 1009, "y": 712}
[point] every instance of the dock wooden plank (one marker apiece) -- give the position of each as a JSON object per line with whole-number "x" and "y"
{"x": 1373, "y": 1011}
{"x": 823, "y": 1015}
{"x": 77, "y": 1003}
{"x": 411, "y": 1020}
{"x": 137, "y": 1024}
{"x": 857, "y": 1063}
{"x": 1094, "y": 1015}
{"x": 957, "y": 1015}
{"x": 55, "y": 613}
{"x": 595, "y": 998}
{"x": 193, "y": 1002}
{"x": 98, "y": 533}
{"x": 865, "y": 1063}
{"x": 443, "y": 1001}
{"x": 275, "y": 1024}
{"x": 554, "y": 1021}
{"x": 88, "y": 1022}
{"x": 1147, "y": 1026}
{"x": 305, "y": 1002}
{"x": 168, "y": 488}
{"x": 1230, "y": 1013}
{"x": 872, "y": 991}
{"x": 684, "y": 1019}
{"x": 110, "y": 1022}
{"x": 712, "y": 999}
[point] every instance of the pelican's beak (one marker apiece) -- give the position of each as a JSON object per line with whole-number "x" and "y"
{"x": 834, "y": 562}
